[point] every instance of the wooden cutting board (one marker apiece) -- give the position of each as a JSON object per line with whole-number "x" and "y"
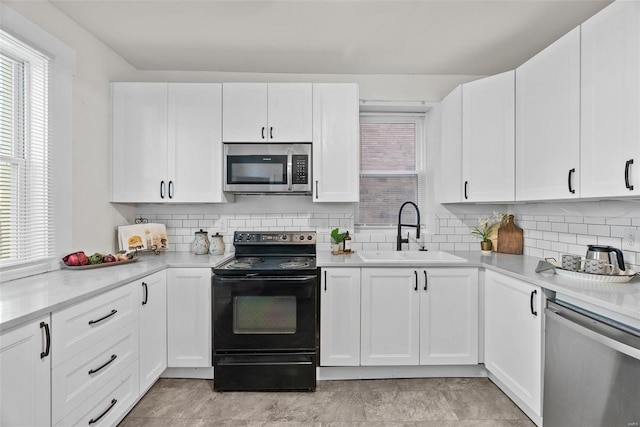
{"x": 510, "y": 238}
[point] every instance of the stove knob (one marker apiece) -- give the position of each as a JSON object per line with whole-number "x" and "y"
{"x": 283, "y": 237}
{"x": 301, "y": 237}
{"x": 309, "y": 237}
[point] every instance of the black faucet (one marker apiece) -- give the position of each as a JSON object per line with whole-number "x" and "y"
{"x": 399, "y": 239}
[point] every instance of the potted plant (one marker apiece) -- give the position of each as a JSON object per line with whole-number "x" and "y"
{"x": 337, "y": 240}
{"x": 482, "y": 231}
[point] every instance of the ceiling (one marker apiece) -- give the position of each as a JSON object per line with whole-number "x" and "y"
{"x": 458, "y": 37}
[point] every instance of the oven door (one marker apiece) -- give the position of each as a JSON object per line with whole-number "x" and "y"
{"x": 264, "y": 314}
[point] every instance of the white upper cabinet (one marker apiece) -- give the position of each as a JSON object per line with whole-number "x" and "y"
{"x": 167, "y": 143}
{"x": 610, "y": 106}
{"x": 139, "y": 147}
{"x": 450, "y": 188}
{"x": 488, "y": 146}
{"x": 336, "y": 121}
{"x": 267, "y": 112}
{"x": 548, "y": 122}
{"x": 195, "y": 169}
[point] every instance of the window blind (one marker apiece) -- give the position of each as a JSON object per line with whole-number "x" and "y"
{"x": 391, "y": 167}
{"x": 27, "y": 234}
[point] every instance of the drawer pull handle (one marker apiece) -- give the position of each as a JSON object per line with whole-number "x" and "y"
{"x": 91, "y": 322}
{"x": 113, "y": 357}
{"x": 416, "y": 274}
{"x": 45, "y": 353}
{"x": 426, "y": 280}
{"x": 626, "y": 174}
{"x": 146, "y": 293}
{"x": 571, "y": 189}
{"x": 113, "y": 403}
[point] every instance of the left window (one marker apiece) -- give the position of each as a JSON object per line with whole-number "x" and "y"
{"x": 27, "y": 232}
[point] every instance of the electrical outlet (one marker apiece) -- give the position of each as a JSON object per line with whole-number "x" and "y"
{"x": 630, "y": 240}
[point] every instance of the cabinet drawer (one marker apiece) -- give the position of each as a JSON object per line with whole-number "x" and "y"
{"x": 84, "y": 374}
{"x": 86, "y": 324}
{"x": 110, "y": 403}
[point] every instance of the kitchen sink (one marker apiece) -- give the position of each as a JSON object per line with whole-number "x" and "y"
{"x": 410, "y": 257}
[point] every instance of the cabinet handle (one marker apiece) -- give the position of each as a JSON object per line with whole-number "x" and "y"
{"x": 316, "y": 188}
{"x": 271, "y": 132}
{"x": 162, "y": 189}
{"x": 626, "y": 174}
{"x": 425, "y": 279}
{"x": 107, "y": 363}
{"x": 535, "y": 313}
{"x": 416, "y": 274}
{"x": 262, "y": 132}
{"x": 113, "y": 403}
{"x": 146, "y": 293}
{"x": 171, "y": 189}
{"x": 466, "y": 185}
{"x": 571, "y": 189}
{"x": 325, "y": 281}
{"x": 91, "y": 322}
{"x": 47, "y": 333}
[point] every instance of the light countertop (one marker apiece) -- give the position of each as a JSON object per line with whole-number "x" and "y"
{"x": 25, "y": 299}
{"x": 29, "y": 298}
{"x": 620, "y": 301}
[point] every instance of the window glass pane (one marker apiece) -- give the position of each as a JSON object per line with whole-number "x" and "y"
{"x": 387, "y": 147}
{"x": 382, "y": 196}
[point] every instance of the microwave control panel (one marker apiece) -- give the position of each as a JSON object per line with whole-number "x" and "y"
{"x": 300, "y": 169}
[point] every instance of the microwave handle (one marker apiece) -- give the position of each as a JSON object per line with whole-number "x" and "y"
{"x": 290, "y": 168}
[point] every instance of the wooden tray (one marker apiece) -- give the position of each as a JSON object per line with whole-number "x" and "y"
{"x": 102, "y": 264}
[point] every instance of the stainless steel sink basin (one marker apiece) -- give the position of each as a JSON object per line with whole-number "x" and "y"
{"x": 410, "y": 257}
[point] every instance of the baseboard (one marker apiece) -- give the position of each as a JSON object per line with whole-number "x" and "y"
{"x": 193, "y": 373}
{"x": 381, "y": 372}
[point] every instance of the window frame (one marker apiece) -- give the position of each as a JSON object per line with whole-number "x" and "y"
{"x": 60, "y": 107}
{"x": 420, "y": 121}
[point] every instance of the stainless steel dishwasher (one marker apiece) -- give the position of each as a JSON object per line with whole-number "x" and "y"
{"x": 591, "y": 371}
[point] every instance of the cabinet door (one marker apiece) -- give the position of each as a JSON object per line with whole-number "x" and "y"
{"x": 513, "y": 336}
{"x": 488, "y": 132}
{"x": 188, "y": 317}
{"x": 610, "y": 103}
{"x": 390, "y": 316}
{"x": 25, "y": 389}
{"x": 195, "y": 143}
{"x": 139, "y": 142}
{"x": 244, "y": 112}
{"x": 289, "y": 112}
{"x": 548, "y": 122}
{"x": 153, "y": 328}
{"x": 340, "y": 317}
{"x": 450, "y": 188}
{"x": 449, "y": 316}
{"x": 336, "y": 142}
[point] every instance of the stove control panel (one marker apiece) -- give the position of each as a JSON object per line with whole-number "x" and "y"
{"x": 270, "y": 237}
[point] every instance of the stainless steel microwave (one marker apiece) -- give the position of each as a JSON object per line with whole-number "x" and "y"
{"x": 267, "y": 168}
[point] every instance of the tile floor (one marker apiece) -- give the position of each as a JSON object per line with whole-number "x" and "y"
{"x": 446, "y": 402}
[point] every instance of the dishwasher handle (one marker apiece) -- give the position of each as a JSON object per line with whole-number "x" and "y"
{"x": 623, "y": 341}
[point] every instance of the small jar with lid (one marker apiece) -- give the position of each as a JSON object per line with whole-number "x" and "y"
{"x": 201, "y": 243}
{"x": 217, "y": 245}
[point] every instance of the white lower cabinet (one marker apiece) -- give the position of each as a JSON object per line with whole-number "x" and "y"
{"x": 449, "y": 316}
{"x": 153, "y": 328}
{"x": 189, "y": 317}
{"x": 390, "y": 317}
{"x": 340, "y": 317}
{"x": 513, "y": 328}
{"x": 25, "y": 372}
{"x": 413, "y": 316}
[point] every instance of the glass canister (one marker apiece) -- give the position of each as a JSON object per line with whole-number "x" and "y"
{"x": 201, "y": 243}
{"x": 217, "y": 245}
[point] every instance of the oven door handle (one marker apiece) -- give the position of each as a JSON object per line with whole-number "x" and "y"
{"x": 254, "y": 363}
{"x": 257, "y": 276}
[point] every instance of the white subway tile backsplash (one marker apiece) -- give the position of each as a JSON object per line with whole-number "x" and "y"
{"x": 550, "y": 236}
{"x": 567, "y": 238}
{"x": 560, "y": 227}
{"x": 618, "y": 221}
{"x": 578, "y": 228}
{"x": 543, "y": 226}
{"x": 585, "y": 240}
{"x": 594, "y": 220}
{"x": 599, "y": 230}
{"x": 556, "y": 219}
